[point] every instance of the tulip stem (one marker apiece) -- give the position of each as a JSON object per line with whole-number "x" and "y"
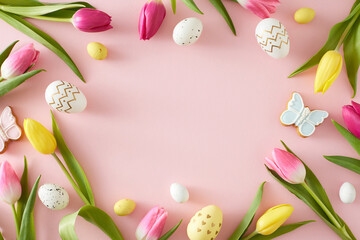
{"x": 17, "y": 225}
{"x": 249, "y": 236}
{"x": 346, "y": 31}
{"x": 52, "y": 19}
{"x": 1, "y": 79}
{"x": 75, "y": 186}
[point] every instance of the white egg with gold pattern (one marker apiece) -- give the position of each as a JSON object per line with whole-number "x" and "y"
{"x": 273, "y": 38}
{"x": 65, "y": 97}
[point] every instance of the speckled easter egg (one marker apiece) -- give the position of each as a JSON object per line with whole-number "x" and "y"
{"x": 347, "y": 193}
{"x": 124, "y": 207}
{"x": 179, "y": 193}
{"x": 65, "y": 97}
{"x": 187, "y": 31}
{"x": 273, "y": 38}
{"x": 97, "y": 50}
{"x": 205, "y": 224}
{"x": 304, "y": 15}
{"x": 53, "y": 196}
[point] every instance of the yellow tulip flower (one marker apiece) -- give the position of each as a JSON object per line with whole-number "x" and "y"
{"x": 328, "y": 70}
{"x": 41, "y": 139}
{"x": 273, "y": 218}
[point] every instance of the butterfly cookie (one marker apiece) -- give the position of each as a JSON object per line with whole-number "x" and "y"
{"x": 301, "y": 116}
{"x": 9, "y": 130}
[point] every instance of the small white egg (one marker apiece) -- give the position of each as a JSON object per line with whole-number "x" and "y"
{"x": 187, "y": 31}
{"x": 53, "y": 196}
{"x": 179, "y": 193}
{"x": 347, "y": 193}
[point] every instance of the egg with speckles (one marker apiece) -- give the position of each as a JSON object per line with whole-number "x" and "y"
{"x": 53, "y": 196}
{"x": 187, "y": 31}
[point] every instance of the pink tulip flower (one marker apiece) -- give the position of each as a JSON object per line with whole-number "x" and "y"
{"x": 10, "y": 187}
{"x": 91, "y": 20}
{"x": 351, "y": 115}
{"x": 289, "y": 167}
{"x": 151, "y": 17}
{"x": 151, "y": 225}
{"x": 261, "y": 8}
{"x": 20, "y": 61}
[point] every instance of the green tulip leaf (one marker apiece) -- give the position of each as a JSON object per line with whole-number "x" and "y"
{"x": 354, "y": 5}
{"x": 68, "y": 13}
{"x": 249, "y": 216}
{"x": 37, "y": 10}
{"x": 27, "y": 229}
{"x": 173, "y": 6}
{"x": 346, "y": 162}
{"x": 192, "y": 5}
{"x": 170, "y": 232}
{"x": 21, "y": 2}
{"x": 281, "y": 231}
{"x": 41, "y": 37}
{"x": 222, "y": 10}
{"x": 21, "y": 203}
{"x": 9, "y": 84}
{"x": 354, "y": 141}
{"x": 72, "y": 164}
{"x": 1, "y": 236}
{"x": 6, "y": 52}
{"x": 93, "y": 215}
{"x": 333, "y": 39}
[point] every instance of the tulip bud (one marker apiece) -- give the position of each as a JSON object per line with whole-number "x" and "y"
{"x": 328, "y": 70}
{"x": 41, "y": 139}
{"x": 351, "y": 115}
{"x": 10, "y": 187}
{"x": 20, "y": 61}
{"x": 260, "y": 8}
{"x": 273, "y": 218}
{"x": 151, "y": 17}
{"x": 152, "y": 224}
{"x": 287, "y": 166}
{"x": 91, "y": 20}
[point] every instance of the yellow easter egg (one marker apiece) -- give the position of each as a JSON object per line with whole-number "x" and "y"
{"x": 124, "y": 207}
{"x": 97, "y": 51}
{"x": 205, "y": 224}
{"x": 304, "y": 15}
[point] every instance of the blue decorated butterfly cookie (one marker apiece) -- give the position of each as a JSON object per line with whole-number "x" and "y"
{"x": 300, "y": 116}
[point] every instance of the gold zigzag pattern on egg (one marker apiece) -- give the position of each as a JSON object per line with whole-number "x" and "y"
{"x": 62, "y": 88}
{"x": 275, "y": 39}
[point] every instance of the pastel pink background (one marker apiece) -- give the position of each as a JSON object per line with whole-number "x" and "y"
{"x": 204, "y": 116}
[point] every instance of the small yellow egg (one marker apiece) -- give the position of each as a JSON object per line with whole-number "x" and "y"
{"x": 97, "y": 50}
{"x": 124, "y": 207}
{"x": 304, "y": 15}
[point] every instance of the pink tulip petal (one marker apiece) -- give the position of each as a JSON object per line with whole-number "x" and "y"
{"x": 351, "y": 119}
{"x": 356, "y": 107}
{"x": 91, "y": 20}
{"x": 151, "y": 17}
{"x": 10, "y": 187}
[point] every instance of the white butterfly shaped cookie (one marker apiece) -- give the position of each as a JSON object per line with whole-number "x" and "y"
{"x": 9, "y": 130}
{"x": 301, "y": 116}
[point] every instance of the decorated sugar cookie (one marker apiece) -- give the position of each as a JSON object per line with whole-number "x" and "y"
{"x": 9, "y": 130}
{"x": 300, "y": 116}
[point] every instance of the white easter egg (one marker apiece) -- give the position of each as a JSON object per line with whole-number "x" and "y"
{"x": 65, "y": 97}
{"x": 187, "y": 31}
{"x": 179, "y": 193}
{"x": 53, "y": 196}
{"x": 347, "y": 193}
{"x": 272, "y": 37}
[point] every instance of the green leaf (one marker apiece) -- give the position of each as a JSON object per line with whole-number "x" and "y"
{"x": 27, "y": 231}
{"x": 192, "y": 5}
{"x": 37, "y": 10}
{"x": 170, "y": 232}
{"x": 222, "y": 10}
{"x": 346, "y": 162}
{"x": 1, "y": 236}
{"x": 7, "y": 52}
{"x": 173, "y": 6}
{"x": 281, "y": 231}
{"x": 9, "y": 84}
{"x": 72, "y": 164}
{"x": 355, "y": 4}
{"x": 351, "y": 47}
{"x": 249, "y": 216}
{"x": 21, "y": 203}
{"x": 21, "y": 2}
{"x": 333, "y": 39}
{"x": 354, "y": 141}
{"x": 68, "y": 13}
{"x": 41, "y": 37}
{"x": 93, "y": 215}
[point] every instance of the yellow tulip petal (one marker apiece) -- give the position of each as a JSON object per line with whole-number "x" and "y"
{"x": 273, "y": 218}
{"x": 40, "y": 138}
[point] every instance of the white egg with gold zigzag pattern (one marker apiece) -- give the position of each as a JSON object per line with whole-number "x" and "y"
{"x": 273, "y": 38}
{"x": 65, "y": 97}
